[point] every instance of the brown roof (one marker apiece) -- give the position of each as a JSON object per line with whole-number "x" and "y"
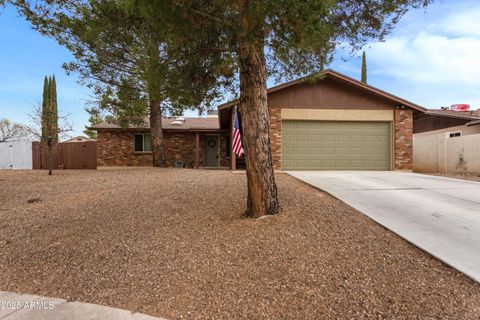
{"x": 339, "y": 76}
{"x": 472, "y": 114}
{"x": 189, "y": 124}
{"x": 473, "y": 123}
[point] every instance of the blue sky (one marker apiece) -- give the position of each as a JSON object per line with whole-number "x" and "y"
{"x": 432, "y": 58}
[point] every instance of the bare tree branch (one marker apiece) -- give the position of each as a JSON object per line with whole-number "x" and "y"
{"x": 11, "y": 130}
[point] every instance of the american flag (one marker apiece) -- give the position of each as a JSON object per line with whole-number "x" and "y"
{"x": 237, "y": 139}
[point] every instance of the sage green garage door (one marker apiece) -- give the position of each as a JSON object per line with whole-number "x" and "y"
{"x": 335, "y": 145}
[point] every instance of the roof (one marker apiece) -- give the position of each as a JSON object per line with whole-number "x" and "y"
{"x": 191, "y": 124}
{"x": 473, "y": 123}
{"x": 79, "y": 139}
{"x": 341, "y": 77}
{"x": 467, "y": 115}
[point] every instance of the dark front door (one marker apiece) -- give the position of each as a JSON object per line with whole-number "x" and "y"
{"x": 211, "y": 151}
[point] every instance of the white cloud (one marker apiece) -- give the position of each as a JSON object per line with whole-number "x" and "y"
{"x": 432, "y": 59}
{"x": 428, "y": 58}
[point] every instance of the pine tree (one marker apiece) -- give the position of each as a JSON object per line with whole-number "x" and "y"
{"x": 54, "y": 109}
{"x": 364, "y": 67}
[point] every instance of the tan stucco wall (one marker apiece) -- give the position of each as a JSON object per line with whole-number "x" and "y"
{"x": 438, "y": 153}
{"x": 337, "y": 114}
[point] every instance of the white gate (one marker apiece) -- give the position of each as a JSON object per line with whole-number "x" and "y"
{"x": 16, "y": 155}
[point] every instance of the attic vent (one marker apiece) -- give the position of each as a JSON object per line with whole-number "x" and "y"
{"x": 178, "y": 121}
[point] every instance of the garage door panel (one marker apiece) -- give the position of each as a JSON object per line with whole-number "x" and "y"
{"x": 330, "y": 145}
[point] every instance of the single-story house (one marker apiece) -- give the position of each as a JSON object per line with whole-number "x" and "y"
{"x": 332, "y": 123}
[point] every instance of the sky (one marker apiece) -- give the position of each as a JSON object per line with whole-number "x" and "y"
{"x": 432, "y": 58}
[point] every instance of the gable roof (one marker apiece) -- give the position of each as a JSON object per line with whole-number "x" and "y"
{"x": 340, "y": 77}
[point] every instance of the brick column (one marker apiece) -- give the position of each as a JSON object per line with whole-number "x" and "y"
{"x": 276, "y": 136}
{"x": 403, "y": 139}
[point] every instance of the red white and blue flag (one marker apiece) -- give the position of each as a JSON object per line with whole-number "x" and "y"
{"x": 237, "y": 139}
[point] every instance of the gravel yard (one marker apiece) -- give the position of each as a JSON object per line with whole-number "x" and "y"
{"x": 173, "y": 243}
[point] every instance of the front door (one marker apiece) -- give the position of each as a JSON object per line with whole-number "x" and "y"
{"x": 211, "y": 151}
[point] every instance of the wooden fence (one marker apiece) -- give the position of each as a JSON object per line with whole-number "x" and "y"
{"x": 70, "y": 155}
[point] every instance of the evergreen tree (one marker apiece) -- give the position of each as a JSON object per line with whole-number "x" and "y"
{"x": 285, "y": 38}
{"x": 121, "y": 53}
{"x": 54, "y": 109}
{"x": 364, "y": 67}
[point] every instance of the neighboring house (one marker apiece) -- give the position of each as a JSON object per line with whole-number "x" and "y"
{"x": 446, "y": 120}
{"x": 332, "y": 123}
{"x": 78, "y": 139}
{"x": 447, "y": 141}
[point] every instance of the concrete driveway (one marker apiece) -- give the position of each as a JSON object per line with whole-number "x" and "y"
{"x": 439, "y": 215}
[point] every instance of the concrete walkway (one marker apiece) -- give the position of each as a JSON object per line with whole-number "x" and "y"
{"x": 14, "y": 306}
{"x": 439, "y": 215}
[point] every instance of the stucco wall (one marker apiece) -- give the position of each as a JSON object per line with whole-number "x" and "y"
{"x": 438, "y": 153}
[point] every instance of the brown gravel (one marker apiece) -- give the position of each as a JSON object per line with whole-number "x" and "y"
{"x": 173, "y": 243}
{"x": 464, "y": 176}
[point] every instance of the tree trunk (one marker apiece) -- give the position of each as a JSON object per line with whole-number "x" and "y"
{"x": 262, "y": 189}
{"x": 50, "y": 157}
{"x": 156, "y": 134}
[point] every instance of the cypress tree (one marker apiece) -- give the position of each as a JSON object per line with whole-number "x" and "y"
{"x": 44, "y": 110}
{"x": 364, "y": 67}
{"x": 54, "y": 109}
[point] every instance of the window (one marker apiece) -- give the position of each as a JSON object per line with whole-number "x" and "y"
{"x": 142, "y": 142}
{"x": 455, "y": 134}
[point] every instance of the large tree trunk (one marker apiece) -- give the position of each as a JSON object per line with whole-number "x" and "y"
{"x": 156, "y": 134}
{"x": 262, "y": 189}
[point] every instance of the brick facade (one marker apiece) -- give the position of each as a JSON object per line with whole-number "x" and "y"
{"x": 116, "y": 148}
{"x": 403, "y": 139}
{"x": 276, "y": 136}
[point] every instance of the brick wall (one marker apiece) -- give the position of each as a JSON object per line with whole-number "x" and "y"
{"x": 116, "y": 148}
{"x": 276, "y": 136}
{"x": 224, "y": 148}
{"x": 403, "y": 139}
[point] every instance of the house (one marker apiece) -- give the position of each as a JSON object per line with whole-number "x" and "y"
{"x": 440, "y": 121}
{"x": 78, "y": 139}
{"x": 447, "y": 141}
{"x": 326, "y": 122}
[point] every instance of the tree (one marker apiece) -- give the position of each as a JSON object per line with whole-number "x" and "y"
{"x": 120, "y": 52}
{"x": 45, "y": 120}
{"x": 11, "y": 130}
{"x": 54, "y": 108}
{"x": 49, "y": 110}
{"x": 364, "y": 68}
{"x": 281, "y": 38}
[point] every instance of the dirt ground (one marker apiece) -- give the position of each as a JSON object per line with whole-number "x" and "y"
{"x": 173, "y": 243}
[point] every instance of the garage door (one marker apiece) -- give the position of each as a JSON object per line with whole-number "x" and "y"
{"x": 335, "y": 145}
